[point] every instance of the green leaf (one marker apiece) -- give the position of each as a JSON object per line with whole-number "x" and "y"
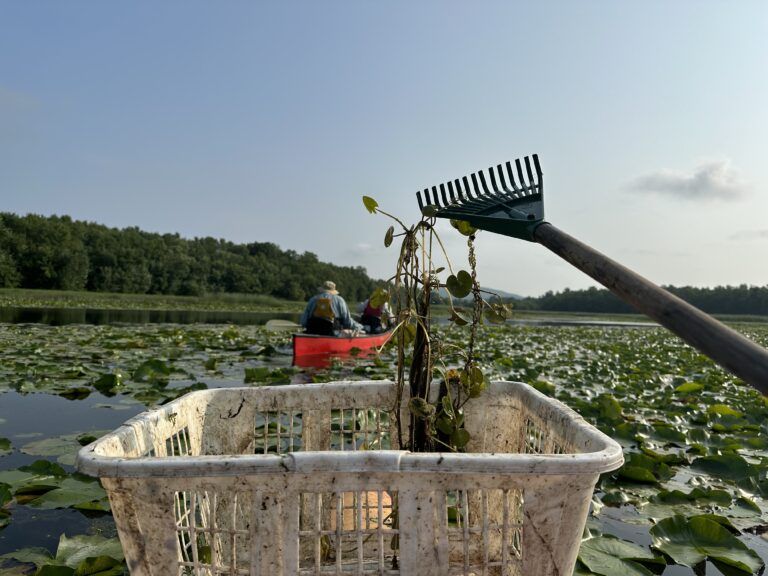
{"x": 694, "y": 540}
{"x": 370, "y": 204}
{"x": 611, "y": 557}
{"x": 724, "y": 466}
{"x": 379, "y": 297}
{"x": 55, "y": 570}
{"x": 610, "y": 409}
{"x": 153, "y": 370}
{"x": 723, "y": 410}
{"x": 5, "y": 446}
{"x": 36, "y": 556}
{"x": 73, "y": 551}
{"x": 388, "y": 236}
{"x": 459, "y": 285}
{"x": 460, "y": 438}
{"x": 99, "y": 566}
{"x": 689, "y": 388}
{"x": 430, "y": 211}
{"x": 463, "y": 227}
{"x": 459, "y": 317}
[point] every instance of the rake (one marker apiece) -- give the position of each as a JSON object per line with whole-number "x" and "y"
{"x": 510, "y": 201}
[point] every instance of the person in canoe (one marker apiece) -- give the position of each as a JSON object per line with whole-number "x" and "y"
{"x": 375, "y": 319}
{"x": 327, "y": 313}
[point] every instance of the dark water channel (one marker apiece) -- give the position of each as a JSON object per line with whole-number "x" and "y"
{"x": 63, "y": 316}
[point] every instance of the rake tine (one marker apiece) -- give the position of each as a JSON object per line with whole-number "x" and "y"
{"x": 521, "y": 176}
{"x": 484, "y": 197}
{"x": 467, "y": 189}
{"x": 435, "y": 199}
{"x": 509, "y": 193}
{"x": 494, "y": 185}
{"x": 442, "y": 194}
{"x": 531, "y": 181}
{"x": 482, "y": 182}
{"x": 459, "y": 191}
{"x": 475, "y": 185}
{"x": 512, "y": 182}
{"x": 450, "y": 191}
{"x": 421, "y": 202}
{"x": 428, "y": 197}
{"x": 539, "y": 173}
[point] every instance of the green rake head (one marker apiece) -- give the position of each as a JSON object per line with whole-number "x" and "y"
{"x": 513, "y": 206}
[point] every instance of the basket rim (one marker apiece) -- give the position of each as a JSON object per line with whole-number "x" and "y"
{"x": 607, "y": 456}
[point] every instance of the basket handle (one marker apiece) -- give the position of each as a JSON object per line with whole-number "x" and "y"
{"x": 731, "y": 350}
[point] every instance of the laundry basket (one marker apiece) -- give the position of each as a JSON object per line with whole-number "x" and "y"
{"x": 309, "y": 480}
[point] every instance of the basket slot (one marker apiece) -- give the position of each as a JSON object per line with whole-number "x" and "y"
{"x": 540, "y": 438}
{"x": 278, "y": 432}
{"x": 213, "y": 534}
{"x": 485, "y": 529}
{"x": 360, "y": 429}
{"x": 348, "y": 532}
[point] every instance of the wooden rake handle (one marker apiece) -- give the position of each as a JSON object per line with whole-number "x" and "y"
{"x": 731, "y": 350}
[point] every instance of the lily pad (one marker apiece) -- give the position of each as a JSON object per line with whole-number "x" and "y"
{"x": 692, "y": 541}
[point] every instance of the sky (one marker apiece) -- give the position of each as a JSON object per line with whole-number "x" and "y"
{"x": 268, "y": 121}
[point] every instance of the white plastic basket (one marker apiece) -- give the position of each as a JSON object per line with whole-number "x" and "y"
{"x": 307, "y": 479}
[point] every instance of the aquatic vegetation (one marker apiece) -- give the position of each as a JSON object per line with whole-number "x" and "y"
{"x": 693, "y": 489}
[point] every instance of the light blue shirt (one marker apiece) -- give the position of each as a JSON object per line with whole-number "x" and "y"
{"x": 339, "y": 307}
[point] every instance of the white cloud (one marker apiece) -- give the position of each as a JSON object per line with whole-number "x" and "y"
{"x": 712, "y": 180}
{"x": 750, "y": 235}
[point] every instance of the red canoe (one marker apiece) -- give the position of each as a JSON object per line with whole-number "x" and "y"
{"x": 315, "y": 344}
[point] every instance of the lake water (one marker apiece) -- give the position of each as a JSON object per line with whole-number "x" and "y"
{"x": 63, "y": 316}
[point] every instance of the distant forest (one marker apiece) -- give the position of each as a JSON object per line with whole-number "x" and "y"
{"x": 720, "y": 300}
{"x": 59, "y": 253}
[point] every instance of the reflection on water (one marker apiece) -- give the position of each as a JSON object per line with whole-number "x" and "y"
{"x": 62, "y": 316}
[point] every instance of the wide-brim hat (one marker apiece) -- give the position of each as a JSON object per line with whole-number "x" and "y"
{"x": 329, "y": 286}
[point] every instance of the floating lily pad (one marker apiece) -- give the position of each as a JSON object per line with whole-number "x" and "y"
{"x": 692, "y": 541}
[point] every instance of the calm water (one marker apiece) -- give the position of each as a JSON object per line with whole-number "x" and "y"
{"x": 62, "y": 316}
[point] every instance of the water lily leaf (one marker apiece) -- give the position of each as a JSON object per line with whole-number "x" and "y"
{"x": 55, "y": 570}
{"x": 99, "y": 566}
{"x": 76, "y": 493}
{"x": 724, "y": 466}
{"x": 72, "y": 551}
{"x": 370, "y": 204}
{"x": 691, "y": 541}
{"x": 459, "y": 317}
{"x": 723, "y": 410}
{"x": 640, "y": 468}
{"x": 37, "y": 556}
{"x": 611, "y": 556}
{"x": 459, "y": 285}
{"x": 388, "y": 236}
{"x": 610, "y": 409}
{"x": 257, "y": 374}
{"x": 154, "y": 370}
{"x": 689, "y": 388}
{"x": 108, "y": 384}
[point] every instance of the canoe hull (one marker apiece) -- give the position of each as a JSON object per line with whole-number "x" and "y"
{"x": 315, "y": 344}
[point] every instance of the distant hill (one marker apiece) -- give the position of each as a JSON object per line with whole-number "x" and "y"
{"x": 502, "y": 293}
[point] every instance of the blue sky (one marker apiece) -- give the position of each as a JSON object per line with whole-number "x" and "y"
{"x": 268, "y": 121}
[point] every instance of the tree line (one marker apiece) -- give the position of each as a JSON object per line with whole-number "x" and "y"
{"x": 58, "y": 253}
{"x": 741, "y": 299}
